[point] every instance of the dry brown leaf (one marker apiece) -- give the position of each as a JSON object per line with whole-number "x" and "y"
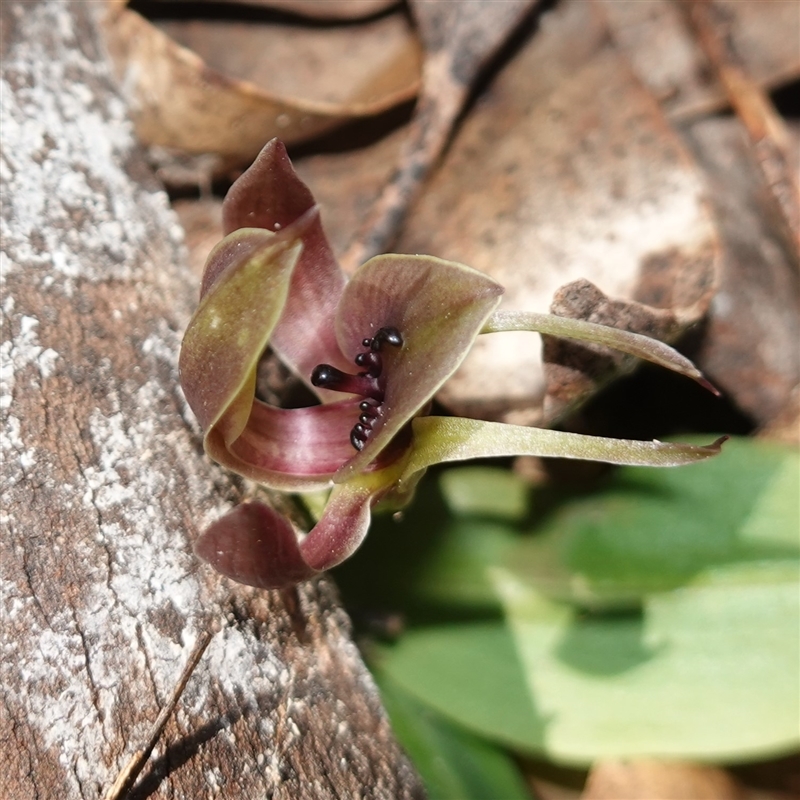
{"x": 659, "y": 780}
{"x": 459, "y": 40}
{"x": 750, "y": 347}
{"x": 785, "y": 425}
{"x": 313, "y": 80}
{"x": 346, "y": 184}
{"x": 565, "y": 170}
{"x": 575, "y": 370}
{"x": 547, "y": 790}
{"x": 655, "y": 38}
{"x": 769, "y": 134}
{"x": 324, "y": 9}
{"x": 351, "y": 66}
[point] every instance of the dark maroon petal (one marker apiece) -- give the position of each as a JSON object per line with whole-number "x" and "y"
{"x": 270, "y": 195}
{"x": 254, "y": 545}
{"x": 438, "y": 307}
{"x": 342, "y": 527}
{"x": 290, "y": 449}
{"x": 306, "y": 332}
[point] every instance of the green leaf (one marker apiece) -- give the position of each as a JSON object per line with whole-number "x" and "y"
{"x": 710, "y": 671}
{"x": 646, "y": 530}
{"x": 452, "y": 762}
{"x": 652, "y": 530}
{"x": 695, "y": 655}
{"x": 472, "y": 673}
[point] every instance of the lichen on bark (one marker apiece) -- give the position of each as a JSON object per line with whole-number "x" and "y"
{"x": 104, "y": 486}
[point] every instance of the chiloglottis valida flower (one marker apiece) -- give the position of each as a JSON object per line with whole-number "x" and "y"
{"x": 375, "y": 350}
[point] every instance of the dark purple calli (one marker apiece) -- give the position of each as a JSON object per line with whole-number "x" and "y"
{"x": 375, "y": 350}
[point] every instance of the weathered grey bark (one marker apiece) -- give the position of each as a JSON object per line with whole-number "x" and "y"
{"x": 104, "y": 485}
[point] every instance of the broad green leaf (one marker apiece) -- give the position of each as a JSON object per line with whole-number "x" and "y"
{"x": 704, "y": 664}
{"x": 643, "y": 531}
{"x": 473, "y": 674}
{"x": 710, "y": 671}
{"x": 452, "y": 762}
{"x": 651, "y": 530}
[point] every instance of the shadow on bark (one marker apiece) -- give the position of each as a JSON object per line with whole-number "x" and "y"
{"x": 178, "y": 754}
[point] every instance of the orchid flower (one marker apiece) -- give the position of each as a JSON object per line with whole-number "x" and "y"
{"x": 374, "y": 350}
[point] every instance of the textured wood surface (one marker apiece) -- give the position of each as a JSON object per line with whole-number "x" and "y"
{"x": 104, "y": 486}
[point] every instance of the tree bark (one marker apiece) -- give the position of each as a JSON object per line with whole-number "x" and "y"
{"x": 105, "y": 484}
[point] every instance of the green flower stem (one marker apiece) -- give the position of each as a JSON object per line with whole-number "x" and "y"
{"x": 634, "y": 344}
{"x": 442, "y": 439}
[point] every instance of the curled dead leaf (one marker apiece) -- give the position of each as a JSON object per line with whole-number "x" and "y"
{"x": 579, "y": 176}
{"x": 459, "y": 40}
{"x": 307, "y": 81}
{"x": 576, "y": 370}
{"x": 656, "y": 39}
{"x": 750, "y": 343}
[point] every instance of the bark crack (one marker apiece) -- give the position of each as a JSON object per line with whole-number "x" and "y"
{"x": 32, "y": 593}
{"x": 148, "y": 665}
